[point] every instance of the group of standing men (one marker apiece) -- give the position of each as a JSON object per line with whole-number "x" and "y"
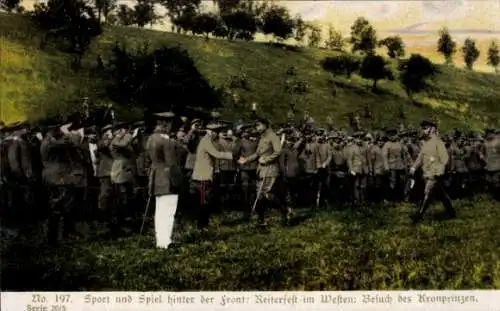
{"x": 116, "y": 172}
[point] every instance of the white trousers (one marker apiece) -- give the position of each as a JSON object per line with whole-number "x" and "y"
{"x": 166, "y": 205}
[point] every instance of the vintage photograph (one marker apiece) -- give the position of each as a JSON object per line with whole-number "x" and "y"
{"x": 239, "y": 145}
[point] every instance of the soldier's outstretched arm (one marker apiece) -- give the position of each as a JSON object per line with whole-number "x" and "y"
{"x": 210, "y": 148}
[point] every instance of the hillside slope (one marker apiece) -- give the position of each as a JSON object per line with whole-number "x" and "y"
{"x": 35, "y": 82}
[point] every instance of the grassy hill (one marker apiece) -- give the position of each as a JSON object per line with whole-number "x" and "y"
{"x": 36, "y": 82}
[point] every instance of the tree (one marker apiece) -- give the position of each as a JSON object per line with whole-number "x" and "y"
{"x": 493, "y": 56}
{"x": 125, "y": 15}
{"x": 145, "y": 12}
{"x": 277, "y": 21}
{"x": 374, "y": 68}
{"x": 471, "y": 53}
{"x": 11, "y": 6}
{"x": 180, "y": 11}
{"x": 104, "y": 8}
{"x": 414, "y": 72}
{"x": 205, "y": 23}
{"x": 145, "y": 78}
{"x": 300, "y": 30}
{"x": 314, "y": 36}
{"x": 446, "y": 45}
{"x": 363, "y": 36}
{"x": 342, "y": 64}
{"x": 241, "y": 23}
{"x": 335, "y": 41}
{"x": 72, "y": 21}
{"x": 395, "y": 46}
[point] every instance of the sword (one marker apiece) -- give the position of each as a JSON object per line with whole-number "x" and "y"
{"x": 145, "y": 214}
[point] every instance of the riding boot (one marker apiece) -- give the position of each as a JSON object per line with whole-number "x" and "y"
{"x": 424, "y": 205}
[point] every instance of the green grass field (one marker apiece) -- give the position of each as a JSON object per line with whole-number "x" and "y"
{"x": 36, "y": 82}
{"x": 336, "y": 249}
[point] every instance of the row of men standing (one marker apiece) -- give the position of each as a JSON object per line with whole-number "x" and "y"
{"x": 125, "y": 166}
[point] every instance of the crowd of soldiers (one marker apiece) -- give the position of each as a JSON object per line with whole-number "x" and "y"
{"x": 110, "y": 174}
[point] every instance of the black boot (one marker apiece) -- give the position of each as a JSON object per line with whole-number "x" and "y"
{"x": 424, "y": 205}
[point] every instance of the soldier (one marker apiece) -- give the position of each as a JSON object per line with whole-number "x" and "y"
{"x": 396, "y": 157}
{"x": 123, "y": 174}
{"x": 433, "y": 159}
{"x": 309, "y": 160}
{"x": 459, "y": 168}
{"x": 203, "y": 172}
{"x": 227, "y": 170}
{"x": 143, "y": 163}
{"x": 324, "y": 157}
{"x": 376, "y": 168}
{"x": 338, "y": 169}
{"x": 291, "y": 168}
{"x": 492, "y": 159}
{"x": 165, "y": 178}
{"x": 56, "y": 152}
{"x": 267, "y": 154}
{"x": 191, "y": 141}
{"x": 357, "y": 163}
{"x": 248, "y": 171}
{"x": 21, "y": 174}
{"x": 474, "y": 159}
{"x": 105, "y": 161}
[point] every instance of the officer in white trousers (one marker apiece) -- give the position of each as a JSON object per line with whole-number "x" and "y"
{"x": 164, "y": 178}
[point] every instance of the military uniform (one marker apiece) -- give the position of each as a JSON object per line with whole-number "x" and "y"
{"x": 164, "y": 182}
{"x": 291, "y": 170}
{"x": 396, "y": 158}
{"x": 105, "y": 161}
{"x": 58, "y": 176}
{"x": 433, "y": 159}
{"x": 123, "y": 176}
{"x": 376, "y": 170}
{"x": 203, "y": 175}
{"x": 324, "y": 158}
{"x": 309, "y": 160}
{"x": 338, "y": 170}
{"x": 248, "y": 172}
{"x": 268, "y": 172}
{"x": 492, "y": 159}
{"x": 357, "y": 163}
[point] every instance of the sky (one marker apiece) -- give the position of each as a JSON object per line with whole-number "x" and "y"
{"x": 388, "y": 15}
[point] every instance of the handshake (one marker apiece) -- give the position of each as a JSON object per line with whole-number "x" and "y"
{"x": 242, "y": 160}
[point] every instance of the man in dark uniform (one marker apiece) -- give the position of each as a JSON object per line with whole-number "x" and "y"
{"x": 123, "y": 173}
{"x": 105, "y": 161}
{"x": 165, "y": 178}
{"x": 22, "y": 176}
{"x": 56, "y": 152}
{"x": 143, "y": 164}
{"x": 338, "y": 170}
{"x": 323, "y": 161}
